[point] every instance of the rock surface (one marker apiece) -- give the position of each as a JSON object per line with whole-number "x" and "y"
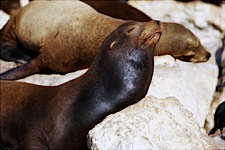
{"x": 150, "y": 124}
{"x": 192, "y": 84}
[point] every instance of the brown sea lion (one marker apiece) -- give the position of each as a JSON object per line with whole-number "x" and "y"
{"x": 59, "y": 117}
{"x": 66, "y": 35}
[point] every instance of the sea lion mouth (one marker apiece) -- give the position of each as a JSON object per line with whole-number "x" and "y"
{"x": 154, "y": 36}
{"x": 191, "y": 58}
{"x": 151, "y": 39}
{"x": 185, "y": 58}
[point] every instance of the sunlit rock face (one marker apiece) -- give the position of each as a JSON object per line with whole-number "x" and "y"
{"x": 192, "y": 84}
{"x": 150, "y": 124}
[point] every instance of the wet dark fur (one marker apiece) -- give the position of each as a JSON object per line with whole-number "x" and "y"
{"x": 219, "y": 120}
{"x": 59, "y": 117}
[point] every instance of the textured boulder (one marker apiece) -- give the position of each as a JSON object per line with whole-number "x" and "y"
{"x": 3, "y": 19}
{"x": 193, "y": 84}
{"x": 150, "y": 124}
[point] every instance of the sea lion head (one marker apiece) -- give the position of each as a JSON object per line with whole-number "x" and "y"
{"x": 131, "y": 37}
{"x": 197, "y": 52}
{"x": 181, "y": 43}
{"x": 127, "y": 56}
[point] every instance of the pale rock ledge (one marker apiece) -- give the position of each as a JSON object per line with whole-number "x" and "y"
{"x": 150, "y": 124}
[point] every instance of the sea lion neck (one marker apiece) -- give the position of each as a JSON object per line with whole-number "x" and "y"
{"x": 122, "y": 78}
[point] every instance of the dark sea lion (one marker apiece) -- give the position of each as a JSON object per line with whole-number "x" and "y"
{"x": 219, "y": 120}
{"x": 59, "y": 117}
{"x": 66, "y": 35}
{"x": 220, "y": 61}
{"x": 223, "y": 63}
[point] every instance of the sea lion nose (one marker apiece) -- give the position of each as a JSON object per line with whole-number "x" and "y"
{"x": 208, "y": 55}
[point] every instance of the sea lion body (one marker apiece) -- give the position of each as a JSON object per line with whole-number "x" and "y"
{"x": 66, "y": 35}
{"x": 59, "y": 117}
{"x": 64, "y": 43}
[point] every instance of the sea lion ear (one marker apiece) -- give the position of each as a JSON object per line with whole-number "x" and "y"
{"x": 112, "y": 45}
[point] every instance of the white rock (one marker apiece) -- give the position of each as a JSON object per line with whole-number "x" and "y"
{"x": 150, "y": 124}
{"x": 4, "y": 66}
{"x": 202, "y": 80}
{"x": 219, "y": 142}
{"x": 192, "y": 84}
{"x": 24, "y": 2}
{"x": 54, "y": 79}
{"x": 4, "y": 17}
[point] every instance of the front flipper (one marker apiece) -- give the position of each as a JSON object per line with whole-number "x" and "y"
{"x": 213, "y": 130}
{"x": 9, "y": 53}
{"x": 21, "y": 71}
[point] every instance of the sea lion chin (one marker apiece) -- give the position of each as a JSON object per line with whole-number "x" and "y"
{"x": 59, "y": 117}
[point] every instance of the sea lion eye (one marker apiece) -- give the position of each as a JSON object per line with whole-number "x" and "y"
{"x": 112, "y": 45}
{"x": 131, "y": 29}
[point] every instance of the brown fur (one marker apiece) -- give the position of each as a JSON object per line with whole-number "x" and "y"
{"x": 68, "y": 33}
{"x": 118, "y": 9}
{"x": 10, "y": 6}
